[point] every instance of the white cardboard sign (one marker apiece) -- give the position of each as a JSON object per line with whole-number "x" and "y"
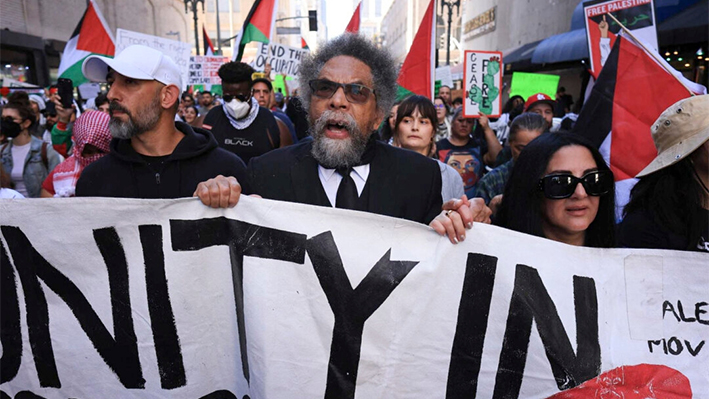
{"x": 283, "y": 59}
{"x": 179, "y": 51}
{"x": 483, "y": 83}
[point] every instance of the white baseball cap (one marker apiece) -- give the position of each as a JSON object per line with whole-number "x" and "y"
{"x": 137, "y": 62}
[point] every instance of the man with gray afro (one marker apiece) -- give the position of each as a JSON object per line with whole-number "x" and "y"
{"x": 347, "y": 87}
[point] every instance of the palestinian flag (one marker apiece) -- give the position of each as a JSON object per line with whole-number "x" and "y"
{"x": 258, "y": 26}
{"x": 303, "y": 44}
{"x": 417, "y": 74}
{"x": 617, "y": 122}
{"x": 208, "y": 46}
{"x": 91, "y": 36}
{"x": 353, "y": 26}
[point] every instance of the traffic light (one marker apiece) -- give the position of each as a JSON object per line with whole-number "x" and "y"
{"x": 313, "y": 20}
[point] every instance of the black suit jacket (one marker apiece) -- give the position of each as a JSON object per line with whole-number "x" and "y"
{"x": 401, "y": 183}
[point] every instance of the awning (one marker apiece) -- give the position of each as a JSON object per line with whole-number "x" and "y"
{"x": 688, "y": 26}
{"x": 569, "y": 46}
{"x": 519, "y": 57}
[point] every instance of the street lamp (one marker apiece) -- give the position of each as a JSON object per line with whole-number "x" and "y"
{"x": 450, "y": 5}
{"x": 194, "y": 12}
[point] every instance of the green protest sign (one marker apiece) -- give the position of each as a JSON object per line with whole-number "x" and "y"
{"x": 525, "y": 84}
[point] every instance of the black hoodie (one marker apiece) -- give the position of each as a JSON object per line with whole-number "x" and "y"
{"x": 125, "y": 173}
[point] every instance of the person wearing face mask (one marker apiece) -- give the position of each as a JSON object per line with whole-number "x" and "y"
{"x": 240, "y": 125}
{"x": 27, "y": 159}
{"x": 92, "y": 139}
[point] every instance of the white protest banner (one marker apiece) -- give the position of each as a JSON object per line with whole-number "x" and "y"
{"x": 204, "y": 69}
{"x": 638, "y": 16}
{"x": 283, "y": 59}
{"x": 169, "y": 298}
{"x": 178, "y": 51}
{"x": 483, "y": 83}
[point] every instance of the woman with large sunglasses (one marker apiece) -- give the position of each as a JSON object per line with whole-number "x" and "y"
{"x": 561, "y": 189}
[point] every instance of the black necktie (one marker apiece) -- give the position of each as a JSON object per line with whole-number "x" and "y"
{"x": 347, "y": 191}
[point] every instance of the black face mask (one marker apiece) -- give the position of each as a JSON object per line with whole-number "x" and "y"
{"x": 10, "y": 128}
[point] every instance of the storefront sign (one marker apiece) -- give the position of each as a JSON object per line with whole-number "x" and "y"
{"x": 481, "y": 24}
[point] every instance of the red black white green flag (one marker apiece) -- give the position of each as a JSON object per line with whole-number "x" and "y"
{"x": 208, "y": 46}
{"x": 631, "y": 92}
{"x": 417, "y": 74}
{"x": 304, "y": 44}
{"x": 91, "y": 36}
{"x": 258, "y": 26}
{"x": 353, "y": 26}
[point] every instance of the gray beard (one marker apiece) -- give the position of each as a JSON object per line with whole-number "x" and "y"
{"x": 335, "y": 153}
{"x": 145, "y": 120}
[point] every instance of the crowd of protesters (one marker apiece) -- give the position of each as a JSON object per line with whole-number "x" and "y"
{"x": 344, "y": 141}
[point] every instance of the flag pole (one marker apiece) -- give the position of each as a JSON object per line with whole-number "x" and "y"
{"x": 652, "y": 53}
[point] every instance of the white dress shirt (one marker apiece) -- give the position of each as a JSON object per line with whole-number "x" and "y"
{"x": 330, "y": 180}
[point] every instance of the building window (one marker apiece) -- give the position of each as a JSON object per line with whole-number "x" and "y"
{"x": 210, "y": 6}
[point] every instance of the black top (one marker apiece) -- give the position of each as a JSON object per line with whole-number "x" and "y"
{"x": 260, "y": 137}
{"x": 640, "y": 229}
{"x": 125, "y": 173}
{"x": 401, "y": 183}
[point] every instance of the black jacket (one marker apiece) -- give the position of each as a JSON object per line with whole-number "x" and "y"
{"x": 401, "y": 183}
{"x": 125, "y": 173}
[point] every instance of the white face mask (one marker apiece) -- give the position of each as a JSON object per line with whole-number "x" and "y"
{"x": 237, "y": 109}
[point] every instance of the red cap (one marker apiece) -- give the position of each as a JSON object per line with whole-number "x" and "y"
{"x": 538, "y": 98}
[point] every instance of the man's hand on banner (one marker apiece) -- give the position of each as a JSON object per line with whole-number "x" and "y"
{"x": 219, "y": 192}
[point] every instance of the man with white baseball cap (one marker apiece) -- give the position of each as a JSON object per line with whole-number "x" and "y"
{"x": 669, "y": 206}
{"x": 152, "y": 156}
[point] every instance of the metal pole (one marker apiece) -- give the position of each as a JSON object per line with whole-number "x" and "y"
{"x": 219, "y": 32}
{"x": 450, "y": 5}
{"x": 196, "y": 28}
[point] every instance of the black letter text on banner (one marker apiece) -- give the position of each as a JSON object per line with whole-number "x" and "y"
{"x": 351, "y": 307}
{"x": 473, "y": 312}
{"x": 243, "y": 239}
{"x": 531, "y": 301}
{"x": 10, "y": 332}
{"x": 121, "y": 354}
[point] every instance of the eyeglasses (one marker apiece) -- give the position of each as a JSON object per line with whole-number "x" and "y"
{"x": 355, "y": 93}
{"x": 439, "y": 106}
{"x": 563, "y": 185}
{"x": 241, "y": 97}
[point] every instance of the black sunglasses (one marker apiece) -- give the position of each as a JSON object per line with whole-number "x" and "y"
{"x": 241, "y": 97}
{"x": 563, "y": 185}
{"x": 355, "y": 93}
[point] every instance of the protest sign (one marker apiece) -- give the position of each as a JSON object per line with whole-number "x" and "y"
{"x": 525, "y": 84}
{"x": 157, "y": 298}
{"x": 204, "y": 70}
{"x": 638, "y": 16}
{"x": 178, "y": 51}
{"x": 483, "y": 83}
{"x": 283, "y": 59}
{"x": 443, "y": 75}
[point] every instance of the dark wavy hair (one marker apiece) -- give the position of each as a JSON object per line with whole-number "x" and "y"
{"x": 264, "y": 81}
{"x": 521, "y": 208}
{"x": 510, "y": 104}
{"x": 673, "y": 196}
{"x": 384, "y": 71}
{"x": 236, "y": 72}
{"x": 425, "y": 108}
